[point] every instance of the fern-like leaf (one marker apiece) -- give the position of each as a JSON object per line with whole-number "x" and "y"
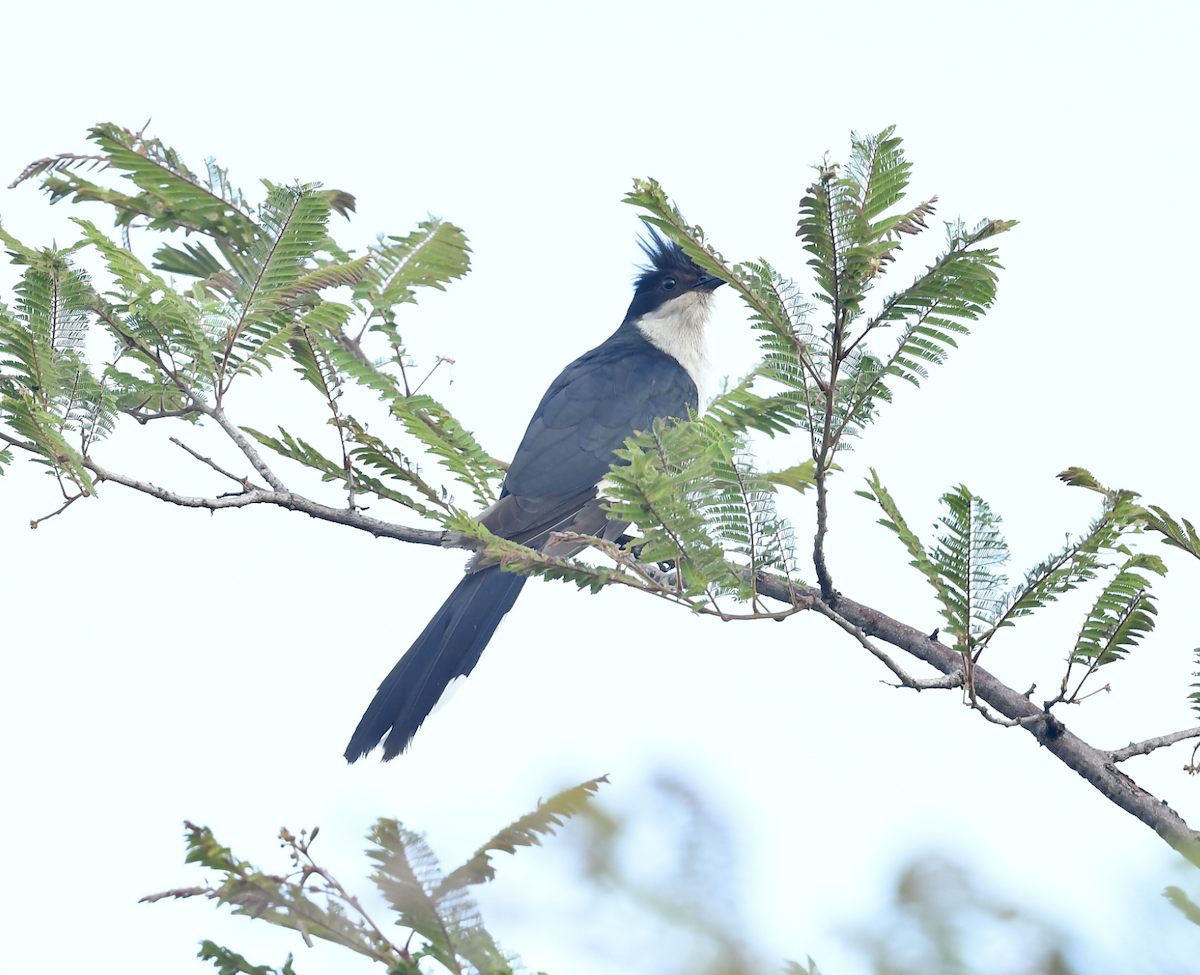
{"x": 968, "y": 553}
{"x": 276, "y": 899}
{"x": 429, "y": 257}
{"x": 1122, "y": 615}
{"x": 293, "y": 226}
{"x": 1175, "y": 534}
{"x": 173, "y": 197}
{"x": 666, "y": 484}
{"x": 47, "y": 390}
{"x": 408, "y": 876}
{"x": 455, "y": 447}
{"x": 1079, "y": 561}
{"x": 525, "y": 831}
{"x": 894, "y": 521}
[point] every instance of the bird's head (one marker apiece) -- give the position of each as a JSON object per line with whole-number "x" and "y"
{"x": 671, "y": 282}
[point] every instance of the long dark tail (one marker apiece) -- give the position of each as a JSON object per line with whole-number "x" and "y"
{"x": 448, "y": 647}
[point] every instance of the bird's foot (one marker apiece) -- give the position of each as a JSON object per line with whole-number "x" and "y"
{"x": 665, "y": 574}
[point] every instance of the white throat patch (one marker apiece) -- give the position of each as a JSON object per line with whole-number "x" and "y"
{"x": 677, "y": 328}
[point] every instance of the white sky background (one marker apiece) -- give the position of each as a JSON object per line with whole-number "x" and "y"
{"x": 151, "y": 653}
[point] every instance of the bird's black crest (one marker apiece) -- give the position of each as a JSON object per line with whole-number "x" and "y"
{"x": 665, "y": 256}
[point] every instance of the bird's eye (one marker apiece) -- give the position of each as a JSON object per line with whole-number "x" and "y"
{"x": 668, "y": 284}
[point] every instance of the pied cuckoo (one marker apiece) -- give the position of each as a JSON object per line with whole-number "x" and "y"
{"x": 652, "y": 366}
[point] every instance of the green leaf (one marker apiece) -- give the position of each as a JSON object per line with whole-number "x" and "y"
{"x": 675, "y": 482}
{"x": 1182, "y": 903}
{"x": 229, "y": 962}
{"x": 799, "y": 477}
{"x": 1080, "y": 477}
{"x": 454, "y": 447}
{"x": 284, "y": 901}
{"x": 48, "y": 394}
{"x": 193, "y": 259}
{"x": 171, "y": 335}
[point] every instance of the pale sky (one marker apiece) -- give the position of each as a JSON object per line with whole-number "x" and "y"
{"x": 150, "y": 651}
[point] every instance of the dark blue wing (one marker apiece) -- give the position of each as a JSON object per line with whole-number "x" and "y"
{"x": 598, "y": 401}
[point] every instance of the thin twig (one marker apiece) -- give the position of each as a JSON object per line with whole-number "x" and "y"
{"x": 243, "y": 482}
{"x": 23, "y": 444}
{"x": 954, "y": 679}
{"x": 440, "y": 360}
{"x": 986, "y": 713}
{"x": 350, "y": 517}
{"x": 34, "y": 522}
{"x": 1150, "y": 744}
{"x": 139, "y": 414}
{"x": 824, "y": 580}
{"x": 244, "y": 445}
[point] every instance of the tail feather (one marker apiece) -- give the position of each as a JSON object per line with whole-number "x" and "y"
{"x": 447, "y": 648}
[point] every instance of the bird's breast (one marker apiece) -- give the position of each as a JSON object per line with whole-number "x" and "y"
{"x": 677, "y": 328}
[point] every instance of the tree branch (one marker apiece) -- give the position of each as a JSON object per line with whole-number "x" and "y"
{"x": 244, "y": 446}
{"x": 1150, "y": 744}
{"x": 34, "y": 522}
{"x": 23, "y": 444}
{"x": 244, "y": 482}
{"x": 350, "y": 517}
{"x": 1097, "y": 767}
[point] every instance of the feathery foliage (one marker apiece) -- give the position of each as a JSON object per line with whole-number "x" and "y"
{"x": 525, "y": 831}
{"x": 258, "y": 283}
{"x": 964, "y": 571}
{"x": 309, "y": 899}
{"x": 258, "y": 278}
{"x": 48, "y": 395}
{"x": 850, "y": 227}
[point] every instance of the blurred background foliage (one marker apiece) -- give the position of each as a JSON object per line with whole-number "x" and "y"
{"x": 656, "y": 887}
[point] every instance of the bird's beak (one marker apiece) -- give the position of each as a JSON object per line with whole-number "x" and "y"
{"x": 708, "y": 282}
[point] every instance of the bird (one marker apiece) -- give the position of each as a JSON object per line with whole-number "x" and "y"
{"x": 653, "y": 366}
